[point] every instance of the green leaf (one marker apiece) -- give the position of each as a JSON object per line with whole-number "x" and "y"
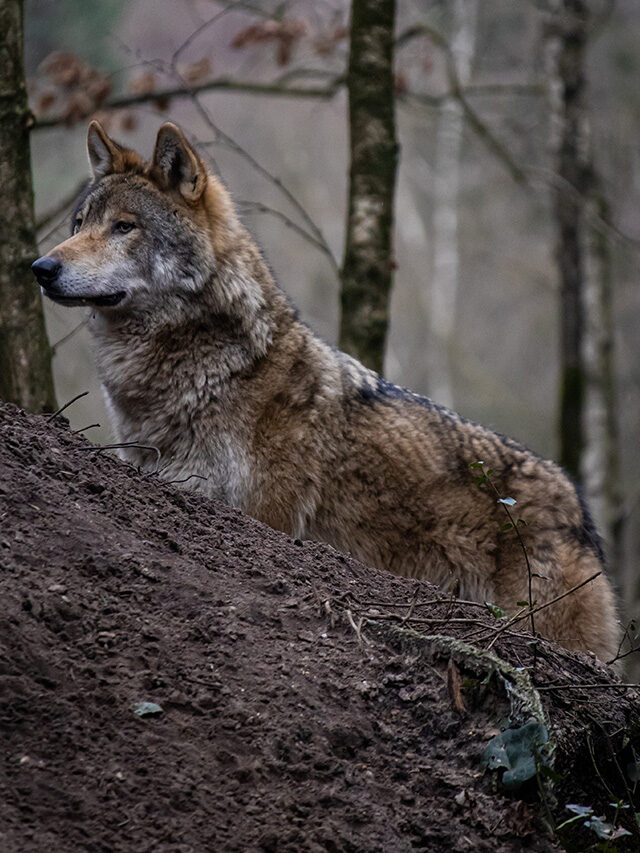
{"x": 494, "y": 610}
{"x": 605, "y": 830}
{"x": 476, "y": 464}
{"x": 506, "y": 526}
{"x": 581, "y": 811}
{"x": 516, "y": 750}
{"x": 507, "y": 501}
{"x": 568, "y": 822}
{"x": 522, "y": 603}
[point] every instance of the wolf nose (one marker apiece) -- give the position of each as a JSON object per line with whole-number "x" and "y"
{"x": 46, "y": 270}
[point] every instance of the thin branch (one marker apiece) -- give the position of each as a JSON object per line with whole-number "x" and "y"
{"x": 186, "y": 479}
{"x": 220, "y": 83}
{"x": 234, "y": 146}
{"x": 199, "y": 30}
{"x": 84, "y": 429}
{"x": 60, "y": 207}
{"x": 100, "y": 447}
{"x": 67, "y": 337}
{"x": 66, "y": 406}
{"x": 259, "y": 207}
{"x": 558, "y": 597}
{"x": 599, "y": 222}
{"x": 60, "y": 222}
{"x": 457, "y": 92}
{"x": 518, "y": 618}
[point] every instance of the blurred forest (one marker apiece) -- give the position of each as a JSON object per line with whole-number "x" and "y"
{"x": 475, "y": 318}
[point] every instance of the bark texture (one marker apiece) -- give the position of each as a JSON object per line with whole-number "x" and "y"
{"x": 367, "y": 270}
{"x": 588, "y": 409}
{"x": 25, "y": 355}
{"x": 567, "y": 90}
{"x": 446, "y": 255}
{"x": 601, "y": 462}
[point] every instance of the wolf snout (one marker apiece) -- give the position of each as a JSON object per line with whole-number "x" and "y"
{"x": 46, "y": 270}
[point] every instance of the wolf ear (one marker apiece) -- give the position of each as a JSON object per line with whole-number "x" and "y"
{"x": 105, "y": 155}
{"x": 176, "y": 166}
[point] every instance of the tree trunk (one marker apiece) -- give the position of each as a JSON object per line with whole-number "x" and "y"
{"x": 444, "y": 283}
{"x": 588, "y": 414}
{"x": 601, "y": 463}
{"x": 25, "y": 355}
{"x": 368, "y": 267}
{"x": 566, "y": 47}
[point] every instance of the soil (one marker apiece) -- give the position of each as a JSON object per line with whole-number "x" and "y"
{"x": 286, "y": 723}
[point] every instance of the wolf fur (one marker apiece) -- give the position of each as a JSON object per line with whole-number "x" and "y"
{"x": 203, "y": 357}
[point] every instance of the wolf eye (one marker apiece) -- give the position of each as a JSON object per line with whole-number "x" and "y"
{"x": 123, "y": 227}
{"x": 77, "y": 225}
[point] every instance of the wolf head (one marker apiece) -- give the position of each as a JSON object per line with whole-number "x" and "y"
{"x": 143, "y": 232}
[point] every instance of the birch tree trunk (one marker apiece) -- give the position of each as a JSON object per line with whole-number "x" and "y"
{"x": 600, "y": 462}
{"x": 444, "y": 282}
{"x": 25, "y": 355}
{"x": 367, "y": 269}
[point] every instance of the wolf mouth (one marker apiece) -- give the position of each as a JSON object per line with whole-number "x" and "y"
{"x": 88, "y": 299}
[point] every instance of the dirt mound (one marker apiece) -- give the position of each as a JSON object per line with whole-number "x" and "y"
{"x": 290, "y": 706}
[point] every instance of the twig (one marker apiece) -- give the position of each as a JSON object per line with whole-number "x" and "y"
{"x": 68, "y": 336}
{"x": 357, "y": 628}
{"x": 199, "y": 30}
{"x": 185, "y": 479}
{"x": 454, "y": 688}
{"x": 486, "y": 477}
{"x": 219, "y": 83}
{"x": 507, "y": 625}
{"x": 626, "y": 635}
{"x": 630, "y": 799}
{"x": 558, "y": 597}
{"x": 66, "y": 406}
{"x": 84, "y": 429}
{"x": 409, "y": 612}
{"x": 60, "y": 207}
{"x": 428, "y": 603}
{"x": 221, "y": 136}
{"x": 259, "y": 207}
{"x": 458, "y": 92}
{"x": 597, "y": 769}
{"x": 100, "y": 447}
{"x": 61, "y": 221}
{"x": 518, "y": 618}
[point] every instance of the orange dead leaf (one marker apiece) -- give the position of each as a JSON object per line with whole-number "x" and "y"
{"x": 198, "y": 71}
{"x": 142, "y": 84}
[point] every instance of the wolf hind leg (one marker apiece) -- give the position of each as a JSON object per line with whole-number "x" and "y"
{"x": 584, "y": 620}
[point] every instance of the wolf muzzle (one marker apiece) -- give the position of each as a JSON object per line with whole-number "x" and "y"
{"x": 46, "y": 271}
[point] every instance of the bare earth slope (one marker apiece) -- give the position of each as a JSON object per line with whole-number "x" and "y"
{"x": 286, "y": 723}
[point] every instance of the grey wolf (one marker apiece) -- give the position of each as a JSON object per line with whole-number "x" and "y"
{"x": 203, "y": 357}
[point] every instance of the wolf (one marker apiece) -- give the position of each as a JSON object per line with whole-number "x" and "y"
{"x": 204, "y": 358}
